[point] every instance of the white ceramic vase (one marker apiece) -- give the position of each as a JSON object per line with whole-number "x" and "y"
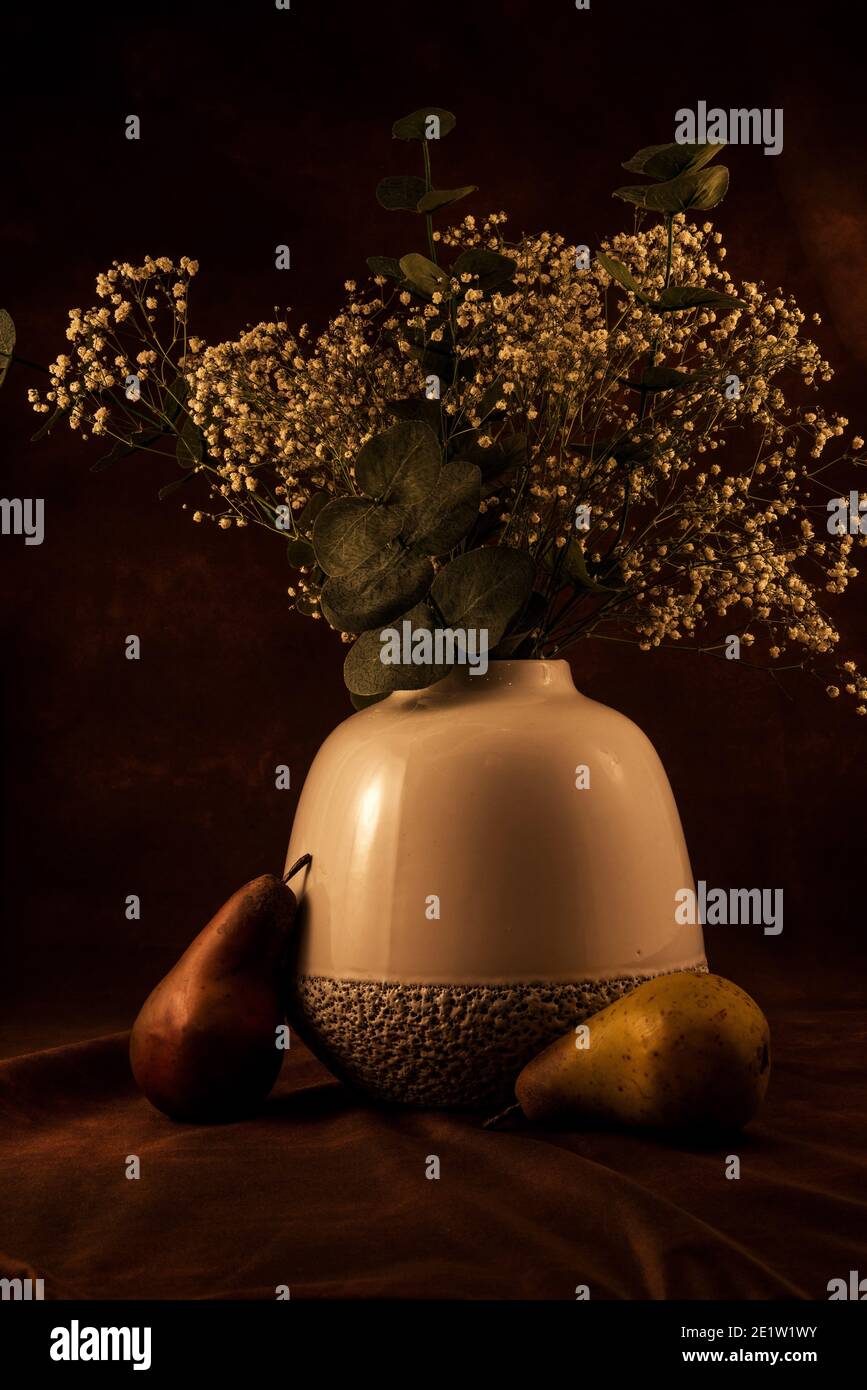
{"x": 494, "y": 858}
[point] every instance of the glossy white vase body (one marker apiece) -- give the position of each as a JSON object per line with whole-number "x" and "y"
{"x": 494, "y": 858}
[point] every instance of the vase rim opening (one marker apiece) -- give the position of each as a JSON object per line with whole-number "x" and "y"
{"x": 519, "y": 674}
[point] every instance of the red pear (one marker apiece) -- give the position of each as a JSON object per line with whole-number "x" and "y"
{"x": 204, "y": 1046}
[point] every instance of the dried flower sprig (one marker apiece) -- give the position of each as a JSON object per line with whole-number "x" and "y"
{"x": 630, "y": 448}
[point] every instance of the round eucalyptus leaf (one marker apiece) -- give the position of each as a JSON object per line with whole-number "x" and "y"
{"x": 169, "y": 488}
{"x": 425, "y": 275}
{"x": 489, "y": 268}
{"x": 124, "y": 448}
{"x": 190, "y": 445}
{"x": 374, "y": 593}
{"x": 360, "y": 702}
{"x": 175, "y": 397}
{"x": 700, "y": 189}
{"x": 400, "y": 191}
{"x": 667, "y": 161}
{"x": 368, "y": 670}
{"x": 522, "y": 626}
{"x": 446, "y": 365}
{"x": 399, "y": 465}
{"x": 619, "y": 272}
{"x": 416, "y": 125}
{"x": 7, "y": 342}
{"x": 419, "y": 408}
{"x": 300, "y": 553}
{"x": 441, "y": 520}
{"x": 385, "y": 265}
{"x": 669, "y": 379}
{"x": 704, "y": 188}
{"x": 351, "y": 531}
{"x": 443, "y": 197}
{"x": 694, "y": 297}
{"x": 316, "y": 503}
{"x": 499, "y": 461}
{"x": 484, "y": 589}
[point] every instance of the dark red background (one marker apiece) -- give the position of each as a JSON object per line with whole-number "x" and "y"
{"x": 261, "y": 127}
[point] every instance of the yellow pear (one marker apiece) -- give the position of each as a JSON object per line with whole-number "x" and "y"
{"x": 682, "y": 1051}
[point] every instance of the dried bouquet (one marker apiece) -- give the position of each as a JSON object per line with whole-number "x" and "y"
{"x": 517, "y": 437}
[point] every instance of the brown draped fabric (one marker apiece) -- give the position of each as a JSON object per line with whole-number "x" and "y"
{"x": 329, "y": 1195}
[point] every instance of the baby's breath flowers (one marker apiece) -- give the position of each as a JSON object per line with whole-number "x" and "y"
{"x": 138, "y": 331}
{"x": 674, "y": 511}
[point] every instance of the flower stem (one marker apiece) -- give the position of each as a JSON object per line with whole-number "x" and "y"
{"x": 34, "y": 366}
{"x": 427, "y": 188}
{"x": 298, "y": 865}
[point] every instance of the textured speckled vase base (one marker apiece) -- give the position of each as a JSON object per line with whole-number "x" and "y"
{"x": 441, "y": 1045}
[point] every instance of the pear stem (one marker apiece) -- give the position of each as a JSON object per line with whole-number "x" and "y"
{"x": 299, "y": 864}
{"x": 495, "y": 1121}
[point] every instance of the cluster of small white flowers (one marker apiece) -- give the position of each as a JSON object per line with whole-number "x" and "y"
{"x": 118, "y": 339}
{"x": 707, "y": 504}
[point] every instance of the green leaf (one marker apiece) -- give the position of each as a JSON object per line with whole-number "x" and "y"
{"x": 664, "y": 379}
{"x": 419, "y": 408}
{"x": 498, "y": 461}
{"x": 487, "y": 525}
{"x": 632, "y": 453}
{"x": 700, "y": 189}
{"x": 443, "y": 197}
{"x": 351, "y": 531}
{"x": 439, "y": 521}
{"x": 575, "y": 569}
{"x": 437, "y": 361}
{"x": 424, "y": 275}
{"x": 385, "y": 265}
{"x": 169, "y": 488}
{"x": 300, "y": 553}
{"x": 414, "y": 126}
{"x": 367, "y": 675}
{"x": 123, "y": 448}
{"x": 7, "y": 343}
{"x": 175, "y": 397}
{"x": 484, "y": 589}
{"x": 695, "y": 296}
{"x": 667, "y": 161}
{"x": 619, "y": 272}
{"x": 669, "y": 379}
{"x": 400, "y": 191}
{"x": 48, "y": 423}
{"x": 360, "y": 702}
{"x": 488, "y": 267}
{"x": 704, "y": 189}
{"x": 399, "y": 465}
{"x": 375, "y": 593}
{"x": 521, "y": 627}
{"x": 190, "y": 445}
{"x": 625, "y": 450}
{"x": 310, "y": 511}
